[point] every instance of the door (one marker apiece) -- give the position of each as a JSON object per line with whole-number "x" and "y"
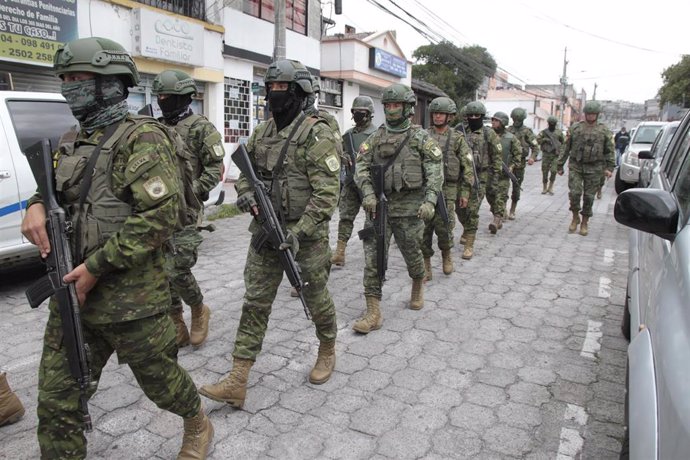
{"x": 10, "y": 206}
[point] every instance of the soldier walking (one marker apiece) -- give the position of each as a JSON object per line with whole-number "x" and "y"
{"x": 550, "y": 141}
{"x": 174, "y": 90}
{"x": 296, "y": 156}
{"x": 350, "y": 200}
{"x": 589, "y": 145}
{"x": 413, "y": 177}
{"x": 498, "y": 184}
{"x": 131, "y": 206}
{"x": 528, "y": 141}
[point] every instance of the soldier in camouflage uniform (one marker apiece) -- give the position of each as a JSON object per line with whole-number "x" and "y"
{"x": 304, "y": 189}
{"x": 487, "y": 153}
{"x": 413, "y": 178}
{"x": 458, "y": 179}
{"x": 550, "y": 140}
{"x": 174, "y": 90}
{"x": 350, "y": 200}
{"x": 497, "y": 187}
{"x": 589, "y": 145}
{"x": 119, "y": 277}
{"x": 528, "y": 141}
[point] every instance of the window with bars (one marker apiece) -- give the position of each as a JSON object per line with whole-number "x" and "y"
{"x": 190, "y": 8}
{"x": 295, "y": 13}
{"x": 237, "y": 109}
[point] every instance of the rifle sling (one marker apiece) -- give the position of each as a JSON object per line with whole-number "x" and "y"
{"x": 279, "y": 167}
{"x": 388, "y": 163}
{"x": 555, "y": 144}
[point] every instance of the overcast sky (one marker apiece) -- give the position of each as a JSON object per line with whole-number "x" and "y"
{"x": 621, "y": 46}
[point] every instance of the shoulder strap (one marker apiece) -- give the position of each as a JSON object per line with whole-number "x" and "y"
{"x": 388, "y": 164}
{"x": 447, "y": 148}
{"x": 281, "y": 158}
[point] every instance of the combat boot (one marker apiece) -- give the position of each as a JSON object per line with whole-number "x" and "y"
{"x": 339, "y": 256}
{"x": 233, "y": 388}
{"x": 584, "y": 230}
{"x": 545, "y": 189}
{"x": 447, "y": 261}
{"x": 511, "y": 214}
{"x": 427, "y": 269}
{"x": 574, "y": 222}
{"x": 200, "y": 317}
{"x": 469, "y": 246}
{"x": 182, "y": 337}
{"x": 372, "y": 320}
{"x": 197, "y": 439}
{"x": 11, "y": 409}
{"x": 463, "y": 238}
{"x": 325, "y": 363}
{"x": 417, "y": 294}
{"x": 550, "y": 189}
{"x": 495, "y": 225}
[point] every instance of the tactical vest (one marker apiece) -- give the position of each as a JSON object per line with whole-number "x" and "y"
{"x": 183, "y": 127}
{"x": 520, "y": 134}
{"x": 506, "y": 142}
{"x": 451, "y": 162}
{"x": 479, "y": 144}
{"x": 293, "y": 183}
{"x": 553, "y": 144}
{"x": 361, "y": 136}
{"x": 587, "y": 144}
{"x": 406, "y": 172}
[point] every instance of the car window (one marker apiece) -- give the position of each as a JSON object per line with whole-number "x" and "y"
{"x": 667, "y": 139}
{"x": 672, "y": 164}
{"x": 682, "y": 187}
{"x": 646, "y": 134}
{"x": 34, "y": 120}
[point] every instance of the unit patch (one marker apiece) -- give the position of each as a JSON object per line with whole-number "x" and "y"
{"x": 218, "y": 151}
{"x": 333, "y": 163}
{"x": 156, "y": 188}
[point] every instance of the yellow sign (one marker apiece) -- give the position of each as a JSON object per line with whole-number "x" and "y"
{"x": 19, "y": 48}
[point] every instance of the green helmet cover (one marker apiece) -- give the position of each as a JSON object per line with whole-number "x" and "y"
{"x": 475, "y": 108}
{"x": 443, "y": 105}
{"x": 552, "y": 120}
{"x": 289, "y": 71}
{"x": 518, "y": 114}
{"x": 398, "y": 92}
{"x": 101, "y": 56}
{"x": 173, "y": 82}
{"x": 363, "y": 103}
{"x": 502, "y": 117}
{"x": 592, "y": 107}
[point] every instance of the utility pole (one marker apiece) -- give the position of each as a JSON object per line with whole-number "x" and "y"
{"x": 564, "y": 83}
{"x": 279, "y": 30}
{"x": 594, "y": 94}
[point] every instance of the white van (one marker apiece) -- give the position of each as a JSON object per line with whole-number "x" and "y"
{"x": 25, "y": 118}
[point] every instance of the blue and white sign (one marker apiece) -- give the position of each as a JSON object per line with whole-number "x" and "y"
{"x": 387, "y": 62}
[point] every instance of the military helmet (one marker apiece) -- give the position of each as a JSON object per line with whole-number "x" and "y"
{"x": 592, "y": 107}
{"x": 502, "y": 117}
{"x": 518, "y": 114}
{"x": 443, "y": 105}
{"x": 288, "y": 70}
{"x": 475, "y": 108}
{"x": 315, "y": 84}
{"x": 552, "y": 120}
{"x": 173, "y": 82}
{"x": 101, "y": 56}
{"x": 363, "y": 103}
{"x": 398, "y": 92}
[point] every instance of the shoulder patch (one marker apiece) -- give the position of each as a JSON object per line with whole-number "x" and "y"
{"x": 534, "y": 142}
{"x": 364, "y": 148}
{"x": 155, "y": 188}
{"x": 432, "y": 147}
{"x": 499, "y": 148}
{"x": 333, "y": 163}
{"x": 218, "y": 151}
{"x": 139, "y": 162}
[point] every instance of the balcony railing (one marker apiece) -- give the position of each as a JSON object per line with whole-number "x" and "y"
{"x": 190, "y": 8}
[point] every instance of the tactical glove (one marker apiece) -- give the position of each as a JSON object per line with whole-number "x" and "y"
{"x": 369, "y": 203}
{"x": 426, "y": 211}
{"x": 291, "y": 242}
{"x": 246, "y": 201}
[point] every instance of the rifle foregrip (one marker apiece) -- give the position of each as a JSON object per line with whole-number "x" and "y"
{"x": 366, "y": 233}
{"x": 38, "y": 292}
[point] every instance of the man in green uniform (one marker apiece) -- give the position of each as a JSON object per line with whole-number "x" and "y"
{"x": 458, "y": 179}
{"x": 497, "y": 187}
{"x": 121, "y": 223}
{"x": 528, "y": 141}
{"x": 296, "y": 156}
{"x": 550, "y": 140}
{"x": 589, "y": 145}
{"x": 350, "y": 201}
{"x": 487, "y": 153}
{"x": 174, "y": 90}
{"x": 413, "y": 178}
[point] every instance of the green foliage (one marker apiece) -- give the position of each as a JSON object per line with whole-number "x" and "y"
{"x": 224, "y": 211}
{"x": 456, "y": 71}
{"x": 676, "y": 87}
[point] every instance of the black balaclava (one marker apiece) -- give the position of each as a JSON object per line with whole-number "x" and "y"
{"x": 360, "y": 118}
{"x": 174, "y": 105}
{"x": 475, "y": 123}
{"x": 285, "y": 105}
{"x": 552, "y": 126}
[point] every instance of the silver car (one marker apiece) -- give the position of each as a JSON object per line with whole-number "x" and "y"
{"x": 628, "y": 174}
{"x": 657, "y": 307}
{"x": 656, "y": 153}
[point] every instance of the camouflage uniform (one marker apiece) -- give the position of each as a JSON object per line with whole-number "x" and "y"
{"x": 498, "y": 185}
{"x": 131, "y": 209}
{"x": 550, "y": 142}
{"x": 528, "y": 141}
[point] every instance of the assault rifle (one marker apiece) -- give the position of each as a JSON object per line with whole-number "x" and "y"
{"x": 513, "y": 178}
{"x": 380, "y": 222}
{"x": 59, "y": 263}
{"x": 271, "y": 231}
{"x": 442, "y": 208}
{"x": 351, "y": 154}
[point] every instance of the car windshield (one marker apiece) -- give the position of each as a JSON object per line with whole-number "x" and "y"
{"x": 646, "y": 134}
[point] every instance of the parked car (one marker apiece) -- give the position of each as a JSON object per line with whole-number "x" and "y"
{"x": 657, "y": 315}
{"x": 628, "y": 174}
{"x": 656, "y": 153}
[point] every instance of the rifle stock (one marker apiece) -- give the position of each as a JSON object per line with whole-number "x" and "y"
{"x": 59, "y": 263}
{"x": 513, "y": 178}
{"x": 271, "y": 231}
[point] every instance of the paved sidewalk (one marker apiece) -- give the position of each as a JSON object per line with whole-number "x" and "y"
{"x": 517, "y": 354}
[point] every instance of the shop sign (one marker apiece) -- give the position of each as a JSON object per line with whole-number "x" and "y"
{"x": 167, "y": 38}
{"x": 387, "y": 62}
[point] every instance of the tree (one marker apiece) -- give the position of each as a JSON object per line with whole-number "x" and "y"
{"x": 456, "y": 71}
{"x": 676, "y": 87}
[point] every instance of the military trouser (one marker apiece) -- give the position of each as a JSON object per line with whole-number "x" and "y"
{"x": 146, "y": 345}
{"x": 469, "y": 216}
{"x": 549, "y": 167}
{"x": 444, "y": 232}
{"x": 348, "y": 207}
{"x": 262, "y": 276}
{"x": 179, "y": 263}
{"x": 584, "y": 180}
{"x": 408, "y": 237}
{"x": 497, "y": 193}
{"x": 520, "y": 174}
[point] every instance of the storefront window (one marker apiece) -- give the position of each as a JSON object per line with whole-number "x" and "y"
{"x": 236, "y": 117}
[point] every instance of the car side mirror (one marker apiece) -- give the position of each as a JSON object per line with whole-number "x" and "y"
{"x": 645, "y": 155}
{"x": 649, "y": 210}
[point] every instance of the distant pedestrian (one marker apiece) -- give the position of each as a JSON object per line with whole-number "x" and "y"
{"x": 622, "y": 139}
{"x": 550, "y": 140}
